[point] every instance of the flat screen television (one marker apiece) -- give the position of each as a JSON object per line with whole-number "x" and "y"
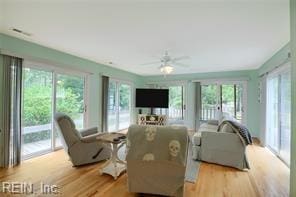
{"x": 152, "y": 98}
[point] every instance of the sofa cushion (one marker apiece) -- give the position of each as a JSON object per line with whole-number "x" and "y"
{"x": 196, "y": 139}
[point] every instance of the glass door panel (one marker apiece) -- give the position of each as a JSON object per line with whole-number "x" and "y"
{"x": 239, "y": 109}
{"x": 37, "y": 111}
{"x": 285, "y": 118}
{"x": 209, "y": 98}
{"x": 119, "y": 106}
{"x": 124, "y": 106}
{"x": 112, "y": 109}
{"x": 272, "y": 120}
{"x": 176, "y": 102}
{"x": 70, "y": 99}
{"x": 228, "y": 99}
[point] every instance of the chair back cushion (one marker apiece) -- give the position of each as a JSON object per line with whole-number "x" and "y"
{"x": 67, "y": 131}
{"x": 156, "y": 159}
{"x": 157, "y": 143}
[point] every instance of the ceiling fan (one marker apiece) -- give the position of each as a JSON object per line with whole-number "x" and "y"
{"x": 167, "y": 62}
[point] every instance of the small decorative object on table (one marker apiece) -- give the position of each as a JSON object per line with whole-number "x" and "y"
{"x": 114, "y": 166}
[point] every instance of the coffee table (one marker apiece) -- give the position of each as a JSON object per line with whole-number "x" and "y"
{"x": 114, "y": 166}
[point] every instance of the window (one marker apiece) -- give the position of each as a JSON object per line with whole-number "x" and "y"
{"x": 226, "y": 97}
{"x": 37, "y": 111}
{"x": 209, "y": 99}
{"x": 119, "y": 105}
{"x": 46, "y": 92}
{"x": 278, "y": 113}
{"x": 176, "y": 110}
{"x": 176, "y": 102}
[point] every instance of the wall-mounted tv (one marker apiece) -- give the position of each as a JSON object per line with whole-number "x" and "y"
{"x": 152, "y": 98}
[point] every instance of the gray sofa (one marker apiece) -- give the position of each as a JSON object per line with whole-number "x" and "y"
{"x": 224, "y": 147}
{"x": 81, "y": 146}
{"x": 156, "y": 159}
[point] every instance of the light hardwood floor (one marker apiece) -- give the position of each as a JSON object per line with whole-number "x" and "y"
{"x": 268, "y": 177}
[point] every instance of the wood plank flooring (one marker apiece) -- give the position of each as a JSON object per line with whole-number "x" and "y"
{"x": 268, "y": 177}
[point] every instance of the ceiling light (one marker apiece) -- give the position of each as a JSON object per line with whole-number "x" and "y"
{"x": 166, "y": 69}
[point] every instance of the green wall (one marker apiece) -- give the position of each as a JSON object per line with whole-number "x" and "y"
{"x": 37, "y": 52}
{"x": 293, "y": 144}
{"x": 252, "y": 100}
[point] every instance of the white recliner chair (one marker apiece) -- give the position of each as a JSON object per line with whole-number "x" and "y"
{"x": 81, "y": 146}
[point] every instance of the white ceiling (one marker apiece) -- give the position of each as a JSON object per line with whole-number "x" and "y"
{"x": 218, "y": 35}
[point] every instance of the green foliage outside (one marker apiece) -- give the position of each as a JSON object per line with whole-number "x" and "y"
{"x": 175, "y": 97}
{"x": 38, "y": 101}
{"x": 124, "y": 94}
{"x": 209, "y": 95}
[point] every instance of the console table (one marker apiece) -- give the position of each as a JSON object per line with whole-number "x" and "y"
{"x": 144, "y": 119}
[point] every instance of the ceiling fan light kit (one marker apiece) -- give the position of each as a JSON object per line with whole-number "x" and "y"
{"x": 167, "y": 63}
{"x": 166, "y": 69}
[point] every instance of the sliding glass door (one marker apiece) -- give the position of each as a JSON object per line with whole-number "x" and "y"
{"x": 273, "y": 113}
{"x": 223, "y": 97}
{"x": 119, "y": 105}
{"x": 278, "y": 113}
{"x": 37, "y": 111}
{"x": 46, "y": 92}
{"x": 285, "y": 119}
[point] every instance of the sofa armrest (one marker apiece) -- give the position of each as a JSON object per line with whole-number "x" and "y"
{"x": 90, "y": 138}
{"x": 89, "y": 131}
{"x": 221, "y": 141}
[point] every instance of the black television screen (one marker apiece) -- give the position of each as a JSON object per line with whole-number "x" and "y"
{"x": 153, "y": 98}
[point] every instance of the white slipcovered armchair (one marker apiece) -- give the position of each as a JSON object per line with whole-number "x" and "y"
{"x": 81, "y": 146}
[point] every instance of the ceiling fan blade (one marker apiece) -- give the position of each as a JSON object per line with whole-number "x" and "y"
{"x": 151, "y": 63}
{"x": 181, "y": 65}
{"x": 180, "y": 58}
